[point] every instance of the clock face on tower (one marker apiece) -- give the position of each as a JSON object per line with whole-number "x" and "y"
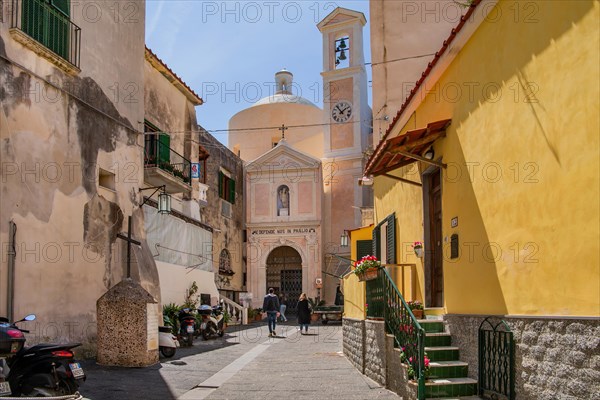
{"x": 341, "y": 111}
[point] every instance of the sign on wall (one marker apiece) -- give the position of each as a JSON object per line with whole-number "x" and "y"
{"x": 195, "y": 170}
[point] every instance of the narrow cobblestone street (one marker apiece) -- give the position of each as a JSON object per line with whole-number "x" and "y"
{"x": 245, "y": 364}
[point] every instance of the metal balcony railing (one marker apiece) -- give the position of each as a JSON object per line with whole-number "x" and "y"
{"x": 48, "y": 26}
{"x": 158, "y": 154}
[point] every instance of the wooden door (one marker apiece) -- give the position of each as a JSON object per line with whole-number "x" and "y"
{"x": 436, "y": 272}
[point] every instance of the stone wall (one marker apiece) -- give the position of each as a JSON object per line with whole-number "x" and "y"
{"x": 353, "y": 334}
{"x": 397, "y": 372}
{"x": 555, "y": 358}
{"x": 375, "y": 351}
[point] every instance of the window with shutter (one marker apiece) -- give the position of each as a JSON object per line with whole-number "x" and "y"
{"x": 391, "y": 239}
{"x": 384, "y": 240}
{"x": 363, "y": 248}
{"x": 47, "y": 21}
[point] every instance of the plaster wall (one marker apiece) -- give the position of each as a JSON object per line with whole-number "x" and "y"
{"x": 403, "y": 29}
{"x": 254, "y": 143}
{"x": 522, "y": 155}
{"x": 54, "y": 141}
{"x": 176, "y": 279}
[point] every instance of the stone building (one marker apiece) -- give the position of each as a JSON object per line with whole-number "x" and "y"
{"x": 301, "y": 191}
{"x": 221, "y": 175}
{"x": 71, "y": 128}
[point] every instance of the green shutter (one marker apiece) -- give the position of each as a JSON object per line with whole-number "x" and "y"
{"x": 62, "y": 6}
{"x": 391, "y": 239}
{"x": 363, "y": 248}
{"x": 376, "y": 239}
{"x": 231, "y": 191}
{"x": 220, "y": 184}
{"x": 164, "y": 150}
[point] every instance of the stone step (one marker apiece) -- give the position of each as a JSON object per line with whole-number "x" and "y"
{"x": 433, "y": 339}
{"x": 432, "y": 325}
{"x": 448, "y": 369}
{"x": 442, "y": 353}
{"x": 440, "y": 388}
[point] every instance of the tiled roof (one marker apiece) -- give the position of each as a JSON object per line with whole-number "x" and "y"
{"x": 173, "y": 77}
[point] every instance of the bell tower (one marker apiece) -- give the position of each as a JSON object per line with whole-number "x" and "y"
{"x": 348, "y": 120}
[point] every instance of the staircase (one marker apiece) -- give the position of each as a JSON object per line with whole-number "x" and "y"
{"x": 448, "y": 376}
{"x": 237, "y": 313}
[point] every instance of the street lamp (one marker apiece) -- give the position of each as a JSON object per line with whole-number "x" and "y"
{"x": 164, "y": 199}
{"x": 344, "y": 239}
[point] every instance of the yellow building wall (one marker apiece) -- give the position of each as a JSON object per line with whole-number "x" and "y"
{"x": 354, "y": 290}
{"x": 523, "y": 165}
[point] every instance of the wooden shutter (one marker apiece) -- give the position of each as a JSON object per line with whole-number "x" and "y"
{"x": 62, "y": 6}
{"x": 391, "y": 239}
{"x": 164, "y": 149}
{"x": 231, "y": 191}
{"x": 363, "y": 248}
{"x": 376, "y": 240}
{"x": 221, "y": 184}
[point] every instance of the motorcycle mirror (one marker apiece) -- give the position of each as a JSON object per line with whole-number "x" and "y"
{"x": 30, "y": 317}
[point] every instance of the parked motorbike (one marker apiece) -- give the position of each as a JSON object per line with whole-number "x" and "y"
{"x": 187, "y": 326}
{"x": 167, "y": 342}
{"x": 43, "y": 370}
{"x": 213, "y": 321}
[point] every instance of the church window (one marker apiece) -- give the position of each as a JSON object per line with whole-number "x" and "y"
{"x": 283, "y": 201}
{"x": 342, "y": 52}
{"x": 226, "y": 187}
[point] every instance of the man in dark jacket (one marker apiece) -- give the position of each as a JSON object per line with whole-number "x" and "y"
{"x": 271, "y": 307}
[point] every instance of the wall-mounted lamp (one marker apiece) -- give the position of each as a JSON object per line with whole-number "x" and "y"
{"x": 344, "y": 239}
{"x": 429, "y": 154}
{"x": 164, "y": 198}
{"x": 366, "y": 181}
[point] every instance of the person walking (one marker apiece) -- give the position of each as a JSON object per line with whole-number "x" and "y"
{"x": 282, "y": 307}
{"x": 271, "y": 307}
{"x": 303, "y": 310}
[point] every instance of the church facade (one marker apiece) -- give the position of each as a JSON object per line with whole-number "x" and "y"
{"x": 303, "y": 165}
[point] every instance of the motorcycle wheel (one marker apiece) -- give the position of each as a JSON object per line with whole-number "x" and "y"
{"x": 167, "y": 352}
{"x": 190, "y": 339}
{"x": 65, "y": 386}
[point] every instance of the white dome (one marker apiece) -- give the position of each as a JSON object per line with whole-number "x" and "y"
{"x": 284, "y": 80}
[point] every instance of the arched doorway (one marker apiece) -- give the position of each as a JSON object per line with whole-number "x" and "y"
{"x": 284, "y": 274}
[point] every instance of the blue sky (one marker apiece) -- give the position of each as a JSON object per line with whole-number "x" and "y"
{"x": 229, "y": 51}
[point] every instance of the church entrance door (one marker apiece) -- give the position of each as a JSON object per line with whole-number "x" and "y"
{"x": 284, "y": 274}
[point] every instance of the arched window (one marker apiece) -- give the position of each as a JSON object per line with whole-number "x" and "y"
{"x": 342, "y": 52}
{"x": 283, "y": 201}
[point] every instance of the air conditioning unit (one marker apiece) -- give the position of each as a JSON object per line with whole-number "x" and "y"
{"x": 225, "y": 209}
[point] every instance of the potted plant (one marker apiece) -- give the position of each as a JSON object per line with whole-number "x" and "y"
{"x": 418, "y": 248}
{"x": 417, "y": 308}
{"x": 367, "y": 268}
{"x": 259, "y": 314}
{"x": 314, "y": 303}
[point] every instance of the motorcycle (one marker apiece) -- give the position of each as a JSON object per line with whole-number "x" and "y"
{"x": 213, "y": 321}
{"x": 187, "y": 327}
{"x": 167, "y": 342}
{"x": 43, "y": 370}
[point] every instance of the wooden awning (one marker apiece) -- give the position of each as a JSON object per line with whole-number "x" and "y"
{"x": 403, "y": 150}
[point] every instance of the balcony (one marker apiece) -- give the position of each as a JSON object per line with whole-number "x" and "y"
{"x": 48, "y": 31}
{"x": 164, "y": 166}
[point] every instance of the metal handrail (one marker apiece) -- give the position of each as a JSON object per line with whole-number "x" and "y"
{"x": 384, "y": 300}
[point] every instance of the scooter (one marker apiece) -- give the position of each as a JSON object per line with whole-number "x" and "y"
{"x": 213, "y": 322}
{"x": 187, "y": 322}
{"x": 43, "y": 370}
{"x": 167, "y": 342}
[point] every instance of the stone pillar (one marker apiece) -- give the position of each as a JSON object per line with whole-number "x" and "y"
{"x": 127, "y": 326}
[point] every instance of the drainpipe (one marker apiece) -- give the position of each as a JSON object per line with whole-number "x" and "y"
{"x": 12, "y": 231}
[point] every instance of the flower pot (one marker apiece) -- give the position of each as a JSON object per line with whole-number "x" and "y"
{"x": 368, "y": 275}
{"x": 418, "y": 314}
{"x": 419, "y": 252}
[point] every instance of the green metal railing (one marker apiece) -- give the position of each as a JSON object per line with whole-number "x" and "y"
{"x": 385, "y": 301}
{"x": 496, "y": 360}
{"x": 159, "y": 154}
{"x": 49, "y": 26}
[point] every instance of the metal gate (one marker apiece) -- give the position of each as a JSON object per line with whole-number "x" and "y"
{"x": 291, "y": 285}
{"x": 496, "y": 360}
